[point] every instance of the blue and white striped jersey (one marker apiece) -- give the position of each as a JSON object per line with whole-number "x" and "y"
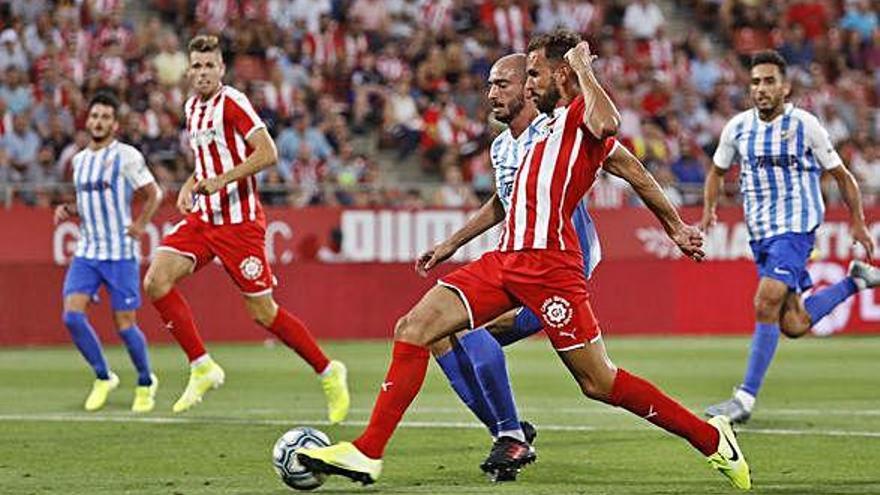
{"x": 507, "y": 154}
{"x": 105, "y": 180}
{"x": 780, "y": 165}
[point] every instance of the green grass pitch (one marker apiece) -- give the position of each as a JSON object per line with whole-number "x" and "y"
{"x": 816, "y": 431}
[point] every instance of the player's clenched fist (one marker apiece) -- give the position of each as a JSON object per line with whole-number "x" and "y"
{"x": 580, "y": 57}
{"x": 185, "y": 200}
{"x": 209, "y": 186}
{"x": 63, "y": 213}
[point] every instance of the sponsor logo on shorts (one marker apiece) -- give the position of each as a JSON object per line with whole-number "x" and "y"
{"x": 556, "y": 311}
{"x": 251, "y": 268}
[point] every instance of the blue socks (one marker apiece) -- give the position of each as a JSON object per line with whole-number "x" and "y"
{"x": 87, "y": 342}
{"x": 490, "y": 368}
{"x": 137, "y": 350}
{"x": 824, "y": 301}
{"x": 460, "y": 372}
{"x": 761, "y": 354}
{"x": 525, "y": 325}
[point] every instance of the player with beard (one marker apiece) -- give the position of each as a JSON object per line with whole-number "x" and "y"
{"x": 538, "y": 264}
{"x": 783, "y": 151}
{"x": 107, "y": 174}
{"x": 473, "y": 360}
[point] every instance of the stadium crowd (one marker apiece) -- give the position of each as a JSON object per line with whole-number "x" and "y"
{"x": 346, "y": 84}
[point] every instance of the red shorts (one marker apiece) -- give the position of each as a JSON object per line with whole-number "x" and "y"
{"x": 550, "y": 283}
{"x": 240, "y": 247}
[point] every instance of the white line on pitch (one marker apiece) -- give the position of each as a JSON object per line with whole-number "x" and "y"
{"x": 83, "y": 418}
{"x": 582, "y": 410}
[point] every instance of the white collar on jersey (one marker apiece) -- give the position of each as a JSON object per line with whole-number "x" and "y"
{"x": 786, "y": 109}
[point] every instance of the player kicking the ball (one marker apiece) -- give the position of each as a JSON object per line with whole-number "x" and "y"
{"x": 473, "y": 361}
{"x": 538, "y": 264}
{"x": 230, "y": 144}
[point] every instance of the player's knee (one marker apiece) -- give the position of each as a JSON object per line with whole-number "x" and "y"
{"x": 124, "y": 320}
{"x": 767, "y": 307}
{"x": 410, "y": 329}
{"x": 157, "y": 284}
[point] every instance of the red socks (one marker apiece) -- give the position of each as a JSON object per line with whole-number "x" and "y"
{"x": 640, "y": 397}
{"x": 175, "y": 312}
{"x": 409, "y": 363}
{"x": 293, "y": 332}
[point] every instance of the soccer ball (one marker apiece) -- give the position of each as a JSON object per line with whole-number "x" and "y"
{"x": 292, "y": 473}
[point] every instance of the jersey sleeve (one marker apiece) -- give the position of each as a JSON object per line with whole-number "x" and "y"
{"x": 819, "y": 142}
{"x": 241, "y": 114}
{"x": 135, "y": 170}
{"x": 726, "y": 151}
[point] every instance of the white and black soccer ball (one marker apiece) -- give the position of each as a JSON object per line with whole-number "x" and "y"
{"x": 292, "y": 473}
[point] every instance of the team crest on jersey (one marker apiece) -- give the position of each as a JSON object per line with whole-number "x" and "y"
{"x": 251, "y": 268}
{"x": 556, "y": 311}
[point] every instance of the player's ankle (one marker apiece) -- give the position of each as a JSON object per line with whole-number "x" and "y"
{"x": 747, "y": 399}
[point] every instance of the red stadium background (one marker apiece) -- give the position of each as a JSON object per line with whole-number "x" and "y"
{"x": 358, "y": 288}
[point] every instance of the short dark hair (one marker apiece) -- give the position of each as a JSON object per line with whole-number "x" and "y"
{"x": 204, "y": 43}
{"x": 107, "y": 99}
{"x": 555, "y": 44}
{"x": 769, "y": 57}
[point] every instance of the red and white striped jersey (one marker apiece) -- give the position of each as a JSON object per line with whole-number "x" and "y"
{"x": 552, "y": 179}
{"x": 218, "y": 130}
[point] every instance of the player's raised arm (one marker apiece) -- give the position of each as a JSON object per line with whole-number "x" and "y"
{"x": 600, "y": 114}
{"x": 264, "y": 155}
{"x": 489, "y": 215}
{"x": 626, "y": 166}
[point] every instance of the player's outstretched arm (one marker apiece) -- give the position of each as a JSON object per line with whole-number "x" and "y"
{"x": 264, "y": 155}
{"x": 711, "y": 190}
{"x": 852, "y": 196}
{"x": 486, "y": 217}
{"x": 153, "y": 196}
{"x": 626, "y": 166}
{"x": 600, "y": 115}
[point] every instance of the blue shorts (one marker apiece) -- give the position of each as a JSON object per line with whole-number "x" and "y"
{"x": 784, "y": 258}
{"x": 122, "y": 278}
{"x": 527, "y": 323}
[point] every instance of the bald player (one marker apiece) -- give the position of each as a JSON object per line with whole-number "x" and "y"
{"x": 473, "y": 360}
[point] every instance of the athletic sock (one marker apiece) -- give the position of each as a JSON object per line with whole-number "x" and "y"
{"x": 402, "y": 383}
{"x": 178, "y": 318}
{"x": 824, "y": 301}
{"x": 293, "y": 332}
{"x": 87, "y": 342}
{"x": 491, "y": 371}
{"x": 763, "y": 348}
{"x": 460, "y": 372}
{"x": 641, "y": 398}
{"x": 136, "y": 344}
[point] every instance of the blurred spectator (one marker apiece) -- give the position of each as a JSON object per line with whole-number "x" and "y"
{"x": 171, "y": 63}
{"x": 454, "y": 193}
{"x": 22, "y": 144}
{"x": 16, "y": 92}
{"x": 860, "y": 18}
{"x": 643, "y": 19}
{"x": 12, "y": 54}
